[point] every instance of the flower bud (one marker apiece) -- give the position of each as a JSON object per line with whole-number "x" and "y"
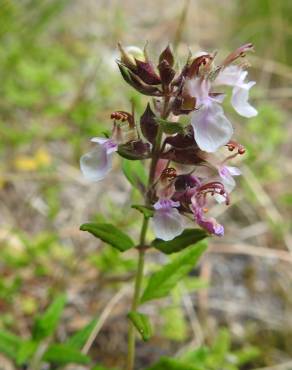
{"x": 167, "y": 55}
{"x": 130, "y": 54}
{"x": 136, "y": 82}
{"x": 149, "y": 125}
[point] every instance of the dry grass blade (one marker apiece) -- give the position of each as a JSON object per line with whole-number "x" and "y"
{"x": 103, "y": 317}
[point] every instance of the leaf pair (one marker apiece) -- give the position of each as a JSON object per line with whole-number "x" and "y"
{"x": 121, "y": 241}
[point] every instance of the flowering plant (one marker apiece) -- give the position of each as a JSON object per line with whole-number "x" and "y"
{"x": 185, "y": 174}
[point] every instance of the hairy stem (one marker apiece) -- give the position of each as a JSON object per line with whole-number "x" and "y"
{"x": 141, "y": 247}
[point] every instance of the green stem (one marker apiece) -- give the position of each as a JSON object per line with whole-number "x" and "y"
{"x": 141, "y": 247}
{"x": 137, "y": 293}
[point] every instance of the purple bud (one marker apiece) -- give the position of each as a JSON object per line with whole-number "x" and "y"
{"x": 135, "y": 81}
{"x": 146, "y": 72}
{"x": 166, "y": 72}
{"x": 148, "y": 124}
{"x": 167, "y": 55}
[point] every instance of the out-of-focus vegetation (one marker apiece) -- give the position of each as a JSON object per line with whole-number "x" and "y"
{"x": 59, "y": 84}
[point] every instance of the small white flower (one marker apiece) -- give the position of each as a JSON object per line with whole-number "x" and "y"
{"x": 96, "y": 164}
{"x": 167, "y": 222}
{"x": 211, "y": 128}
{"x": 234, "y": 76}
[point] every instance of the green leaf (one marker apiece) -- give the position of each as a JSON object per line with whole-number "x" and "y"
{"x": 142, "y": 324}
{"x": 186, "y": 238}
{"x": 175, "y": 326}
{"x": 26, "y": 351}
{"x": 146, "y": 211}
{"x": 162, "y": 281}
{"x": 110, "y": 235}
{"x": 9, "y": 344}
{"x": 246, "y": 355}
{"x": 220, "y": 348}
{"x": 197, "y": 356}
{"x": 135, "y": 173}
{"x": 79, "y": 339}
{"x": 46, "y": 323}
{"x": 166, "y": 363}
{"x": 170, "y": 128}
{"x": 62, "y": 354}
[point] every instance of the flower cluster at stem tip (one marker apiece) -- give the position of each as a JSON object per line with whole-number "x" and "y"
{"x": 187, "y": 174}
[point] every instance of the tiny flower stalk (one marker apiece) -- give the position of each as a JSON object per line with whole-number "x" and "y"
{"x": 190, "y": 163}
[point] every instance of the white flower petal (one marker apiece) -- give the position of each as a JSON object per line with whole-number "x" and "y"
{"x": 109, "y": 144}
{"x": 240, "y": 102}
{"x": 211, "y": 128}
{"x": 229, "y": 185}
{"x": 234, "y": 171}
{"x": 167, "y": 224}
{"x": 219, "y": 198}
{"x": 99, "y": 140}
{"x": 230, "y": 76}
{"x": 96, "y": 164}
{"x": 197, "y": 89}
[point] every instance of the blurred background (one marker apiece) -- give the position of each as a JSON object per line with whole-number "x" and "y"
{"x": 59, "y": 84}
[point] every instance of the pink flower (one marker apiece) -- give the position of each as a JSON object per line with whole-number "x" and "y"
{"x": 96, "y": 164}
{"x": 167, "y": 222}
{"x": 208, "y": 224}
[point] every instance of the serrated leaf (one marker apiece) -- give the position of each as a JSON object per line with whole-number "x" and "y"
{"x": 186, "y": 238}
{"x": 9, "y": 344}
{"x": 62, "y": 354}
{"x": 162, "y": 281}
{"x": 79, "y": 339}
{"x": 110, "y": 235}
{"x": 170, "y": 128}
{"x": 135, "y": 173}
{"x": 146, "y": 211}
{"x": 26, "y": 351}
{"x": 141, "y": 323}
{"x": 166, "y": 363}
{"x": 46, "y": 323}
